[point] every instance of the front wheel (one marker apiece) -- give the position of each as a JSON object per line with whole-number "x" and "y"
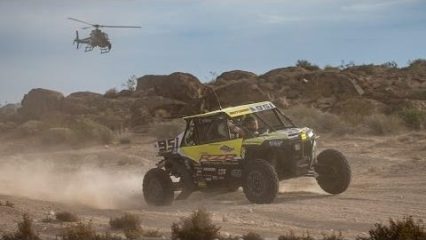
{"x": 334, "y": 171}
{"x": 260, "y": 182}
{"x": 157, "y": 187}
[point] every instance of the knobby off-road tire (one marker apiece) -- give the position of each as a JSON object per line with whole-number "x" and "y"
{"x": 261, "y": 182}
{"x": 334, "y": 171}
{"x": 157, "y": 187}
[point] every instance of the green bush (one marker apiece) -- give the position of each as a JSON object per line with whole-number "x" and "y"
{"x": 125, "y": 222}
{"x": 405, "y": 229}
{"x": 25, "y": 231}
{"x": 66, "y": 217}
{"x": 306, "y": 65}
{"x": 195, "y": 227}
{"x": 413, "y": 118}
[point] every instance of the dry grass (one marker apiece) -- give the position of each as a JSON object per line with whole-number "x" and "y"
{"x": 127, "y": 222}
{"x": 25, "y": 231}
{"x": 252, "y": 236}
{"x": 85, "y": 231}
{"x": 405, "y": 229}
{"x": 322, "y": 122}
{"x": 380, "y": 124}
{"x": 66, "y": 217}
{"x": 165, "y": 130}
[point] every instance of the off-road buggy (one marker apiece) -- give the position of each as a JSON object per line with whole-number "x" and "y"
{"x": 210, "y": 156}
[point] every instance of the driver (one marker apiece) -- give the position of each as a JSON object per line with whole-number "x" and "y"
{"x": 249, "y": 127}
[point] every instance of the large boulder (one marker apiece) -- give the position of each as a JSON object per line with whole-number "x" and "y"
{"x": 234, "y": 75}
{"x": 84, "y": 103}
{"x": 179, "y": 86}
{"x": 39, "y": 102}
{"x": 235, "y": 93}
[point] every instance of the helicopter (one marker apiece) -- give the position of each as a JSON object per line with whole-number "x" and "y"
{"x": 97, "y": 38}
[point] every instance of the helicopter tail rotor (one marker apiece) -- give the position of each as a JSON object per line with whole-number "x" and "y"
{"x": 77, "y": 40}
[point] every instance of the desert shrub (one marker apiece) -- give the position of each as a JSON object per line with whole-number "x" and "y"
{"x": 320, "y": 121}
{"x": 111, "y": 93}
{"x": 152, "y": 233}
{"x": 58, "y": 135}
{"x": 197, "y": 226}
{"x": 252, "y": 236}
{"x": 292, "y": 236}
{"x": 25, "y": 231}
{"x": 131, "y": 83}
{"x": 85, "y": 231}
{"x": 230, "y": 238}
{"x": 332, "y": 236}
{"x": 380, "y": 124}
{"x": 390, "y": 64}
{"x": 354, "y": 110}
{"x": 7, "y": 204}
{"x": 405, "y": 229}
{"x": 417, "y": 63}
{"x": 133, "y": 234}
{"x": 419, "y": 94}
{"x": 126, "y": 222}
{"x": 66, "y": 217}
{"x": 124, "y": 138}
{"x": 331, "y": 68}
{"x": 413, "y": 118}
{"x": 169, "y": 129}
{"x": 89, "y": 130}
{"x": 306, "y": 65}
{"x": 31, "y": 127}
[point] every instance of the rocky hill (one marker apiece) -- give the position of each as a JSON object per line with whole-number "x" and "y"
{"x": 364, "y": 89}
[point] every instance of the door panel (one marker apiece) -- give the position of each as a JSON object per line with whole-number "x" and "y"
{"x": 217, "y": 151}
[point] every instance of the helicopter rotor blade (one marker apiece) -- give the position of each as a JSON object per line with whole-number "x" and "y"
{"x": 109, "y": 26}
{"x": 85, "y": 28}
{"x": 81, "y": 21}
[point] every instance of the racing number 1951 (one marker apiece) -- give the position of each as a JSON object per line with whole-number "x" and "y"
{"x": 168, "y": 145}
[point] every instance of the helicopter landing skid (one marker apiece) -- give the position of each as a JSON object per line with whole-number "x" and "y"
{"x": 105, "y": 50}
{"x": 88, "y": 49}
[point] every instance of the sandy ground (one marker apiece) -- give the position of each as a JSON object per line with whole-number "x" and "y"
{"x": 97, "y": 183}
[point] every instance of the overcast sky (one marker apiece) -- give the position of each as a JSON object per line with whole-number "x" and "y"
{"x": 198, "y": 37}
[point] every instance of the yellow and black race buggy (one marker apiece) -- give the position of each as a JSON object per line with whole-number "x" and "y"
{"x": 212, "y": 156}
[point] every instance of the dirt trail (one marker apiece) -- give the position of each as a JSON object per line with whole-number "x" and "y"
{"x": 389, "y": 179}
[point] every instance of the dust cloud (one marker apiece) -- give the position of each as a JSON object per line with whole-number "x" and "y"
{"x": 71, "y": 183}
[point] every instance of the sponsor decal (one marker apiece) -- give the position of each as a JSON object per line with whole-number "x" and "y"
{"x": 224, "y": 157}
{"x": 236, "y": 173}
{"x": 226, "y": 149}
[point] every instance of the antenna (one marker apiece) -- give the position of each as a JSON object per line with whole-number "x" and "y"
{"x": 217, "y": 98}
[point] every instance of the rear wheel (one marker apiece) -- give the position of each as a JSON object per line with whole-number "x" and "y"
{"x": 334, "y": 171}
{"x": 157, "y": 187}
{"x": 260, "y": 182}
